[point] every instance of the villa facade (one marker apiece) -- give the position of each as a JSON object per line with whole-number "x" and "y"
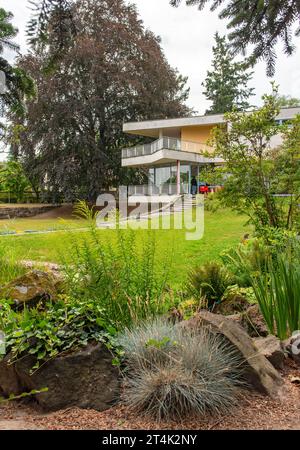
{"x": 180, "y": 148}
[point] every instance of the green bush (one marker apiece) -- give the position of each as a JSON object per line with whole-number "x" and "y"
{"x": 209, "y": 282}
{"x": 63, "y": 326}
{"x": 278, "y": 295}
{"x": 123, "y": 278}
{"x": 172, "y": 371}
{"x": 247, "y": 259}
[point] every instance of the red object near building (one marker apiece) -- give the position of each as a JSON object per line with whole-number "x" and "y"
{"x": 204, "y": 189}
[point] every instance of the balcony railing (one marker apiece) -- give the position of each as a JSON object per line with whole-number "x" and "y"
{"x": 163, "y": 189}
{"x": 165, "y": 143}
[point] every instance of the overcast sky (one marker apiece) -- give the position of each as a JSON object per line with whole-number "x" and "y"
{"x": 187, "y": 39}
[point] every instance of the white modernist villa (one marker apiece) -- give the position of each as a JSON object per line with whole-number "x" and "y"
{"x": 177, "y": 151}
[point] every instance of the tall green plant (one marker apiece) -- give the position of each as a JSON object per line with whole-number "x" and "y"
{"x": 121, "y": 274}
{"x": 278, "y": 294}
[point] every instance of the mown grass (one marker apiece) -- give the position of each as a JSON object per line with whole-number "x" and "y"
{"x": 223, "y": 229}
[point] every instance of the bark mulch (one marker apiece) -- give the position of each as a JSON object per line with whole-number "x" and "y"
{"x": 254, "y": 412}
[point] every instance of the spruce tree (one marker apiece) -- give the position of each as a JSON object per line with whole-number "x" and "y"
{"x": 257, "y": 23}
{"x": 226, "y": 85}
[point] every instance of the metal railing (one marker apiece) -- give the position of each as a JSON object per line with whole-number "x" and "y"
{"x": 165, "y": 143}
{"x": 163, "y": 189}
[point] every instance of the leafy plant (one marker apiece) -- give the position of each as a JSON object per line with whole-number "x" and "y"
{"x": 278, "y": 294}
{"x": 209, "y": 282}
{"x": 13, "y": 397}
{"x": 122, "y": 278}
{"x": 172, "y": 371}
{"x": 247, "y": 259}
{"x": 64, "y": 326}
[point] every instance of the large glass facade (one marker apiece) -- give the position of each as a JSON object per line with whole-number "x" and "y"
{"x": 163, "y": 179}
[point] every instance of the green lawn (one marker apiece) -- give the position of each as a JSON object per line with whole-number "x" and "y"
{"x": 223, "y": 230}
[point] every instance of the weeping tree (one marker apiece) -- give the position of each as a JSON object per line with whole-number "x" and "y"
{"x": 111, "y": 71}
{"x": 260, "y": 24}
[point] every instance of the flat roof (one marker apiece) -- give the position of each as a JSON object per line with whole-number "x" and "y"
{"x": 152, "y": 127}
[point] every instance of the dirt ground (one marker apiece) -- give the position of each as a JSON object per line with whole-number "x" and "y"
{"x": 255, "y": 412}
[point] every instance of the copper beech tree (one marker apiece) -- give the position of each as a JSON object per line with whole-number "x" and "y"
{"x": 112, "y": 71}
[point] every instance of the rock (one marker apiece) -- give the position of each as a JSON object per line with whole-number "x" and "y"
{"x": 30, "y": 289}
{"x": 9, "y": 381}
{"x": 252, "y": 321}
{"x": 292, "y": 347}
{"x": 233, "y": 304}
{"x": 271, "y": 348}
{"x": 85, "y": 378}
{"x": 259, "y": 373}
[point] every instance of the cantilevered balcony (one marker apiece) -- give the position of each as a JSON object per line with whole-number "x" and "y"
{"x": 166, "y": 150}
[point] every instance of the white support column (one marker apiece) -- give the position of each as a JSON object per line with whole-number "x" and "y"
{"x": 161, "y": 134}
{"x": 178, "y": 178}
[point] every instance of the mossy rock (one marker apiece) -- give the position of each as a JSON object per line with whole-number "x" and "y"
{"x": 33, "y": 288}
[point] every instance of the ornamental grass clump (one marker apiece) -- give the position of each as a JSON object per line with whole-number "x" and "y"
{"x": 172, "y": 371}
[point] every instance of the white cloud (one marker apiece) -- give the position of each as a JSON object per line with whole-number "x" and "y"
{"x": 187, "y": 38}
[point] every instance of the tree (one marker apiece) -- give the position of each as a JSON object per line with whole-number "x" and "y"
{"x": 226, "y": 85}
{"x": 13, "y": 179}
{"x": 15, "y": 84}
{"x": 257, "y": 23}
{"x": 113, "y": 71}
{"x": 286, "y": 101}
{"x": 259, "y": 172}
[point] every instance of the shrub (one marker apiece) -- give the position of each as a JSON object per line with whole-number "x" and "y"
{"x": 63, "y": 326}
{"x": 122, "y": 276}
{"x": 249, "y": 258}
{"x": 172, "y": 371}
{"x": 278, "y": 295}
{"x": 209, "y": 282}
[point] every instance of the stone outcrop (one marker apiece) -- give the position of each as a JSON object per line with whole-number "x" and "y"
{"x": 272, "y": 349}
{"x": 11, "y": 212}
{"x": 32, "y": 288}
{"x": 85, "y": 378}
{"x": 259, "y": 373}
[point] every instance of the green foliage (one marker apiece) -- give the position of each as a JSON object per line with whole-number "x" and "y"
{"x": 13, "y": 179}
{"x": 258, "y": 172}
{"x": 7, "y": 31}
{"x": 13, "y": 397}
{"x": 258, "y": 24}
{"x": 172, "y": 371}
{"x": 245, "y": 260}
{"x": 209, "y": 282}
{"x": 226, "y": 85}
{"x": 17, "y": 83}
{"x": 63, "y": 326}
{"x": 278, "y": 294}
{"x": 10, "y": 268}
{"x": 123, "y": 277}
{"x": 286, "y": 101}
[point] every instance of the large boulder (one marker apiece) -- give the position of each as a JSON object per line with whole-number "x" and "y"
{"x": 259, "y": 373}
{"x": 85, "y": 378}
{"x": 30, "y": 289}
{"x": 272, "y": 349}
